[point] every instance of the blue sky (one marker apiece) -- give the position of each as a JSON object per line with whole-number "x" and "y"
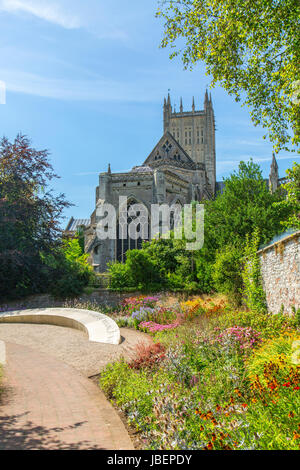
{"x": 86, "y": 80}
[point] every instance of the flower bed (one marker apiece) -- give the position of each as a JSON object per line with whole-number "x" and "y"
{"x": 230, "y": 384}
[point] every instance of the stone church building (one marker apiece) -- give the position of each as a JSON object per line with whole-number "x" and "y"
{"x": 181, "y": 168}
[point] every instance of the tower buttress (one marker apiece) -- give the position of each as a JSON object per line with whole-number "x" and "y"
{"x": 206, "y": 101}
{"x": 210, "y": 150}
{"x": 167, "y": 113}
{"x": 274, "y": 176}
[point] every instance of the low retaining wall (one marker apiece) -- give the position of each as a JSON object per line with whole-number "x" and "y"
{"x": 280, "y": 268}
{"x": 99, "y": 327}
{"x": 99, "y": 296}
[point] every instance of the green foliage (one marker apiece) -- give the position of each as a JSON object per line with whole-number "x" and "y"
{"x": 270, "y": 325}
{"x": 120, "y": 276}
{"x": 292, "y": 201}
{"x": 205, "y": 393}
{"x": 251, "y": 48}
{"x": 33, "y": 256}
{"x": 68, "y": 269}
{"x": 80, "y": 236}
{"x": 226, "y": 273}
{"x": 254, "y": 295}
{"x": 29, "y": 217}
{"x": 277, "y": 350}
{"x": 246, "y": 204}
{"x": 131, "y": 390}
{"x": 142, "y": 268}
{"x": 138, "y": 272}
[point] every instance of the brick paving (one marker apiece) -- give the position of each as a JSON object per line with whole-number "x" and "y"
{"x": 48, "y": 404}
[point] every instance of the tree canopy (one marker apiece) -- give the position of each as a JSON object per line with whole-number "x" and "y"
{"x": 251, "y": 48}
{"x": 292, "y": 200}
{"x": 33, "y": 257}
{"x": 246, "y": 205}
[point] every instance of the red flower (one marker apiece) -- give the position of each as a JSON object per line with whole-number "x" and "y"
{"x": 287, "y": 384}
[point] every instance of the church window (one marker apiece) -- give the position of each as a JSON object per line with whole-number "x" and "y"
{"x": 167, "y": 146}
{"x": 139, "y": 184}
{"x": 123, "y": 245}
{"x": 124, "y": 184}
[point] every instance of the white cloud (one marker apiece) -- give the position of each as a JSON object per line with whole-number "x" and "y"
{"x": 92, "y": 19}
{"x": 45, "y": 10}
{"x": 94, "y": 89}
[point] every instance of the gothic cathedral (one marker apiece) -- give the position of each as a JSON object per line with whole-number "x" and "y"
{"x": 181, "y": 168}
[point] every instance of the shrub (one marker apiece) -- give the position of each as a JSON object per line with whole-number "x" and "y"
{"x": 70, "y": 272}
{"x": 132, "y": 390}
{"x": 277, "y": 351}
{"x": 254, "y": 295}
{"x": 204, "y": 265}
{"x": 148, "y": 356}
{"x": 141, "y": 268}
{"x": 153, "y": 327}
{"x": 124, "y": 322}
{"x": 243, "y": 339}
{"x": 226, "y": 273}
{"x": 267, "y": 324}
{"x": 120, "y": 276}
{"x": 199, "y": 306}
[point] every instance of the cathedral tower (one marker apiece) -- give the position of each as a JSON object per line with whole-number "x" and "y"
{"x": 195, "y": 131}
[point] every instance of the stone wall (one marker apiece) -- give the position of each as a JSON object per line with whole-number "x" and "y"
{"x": 102, "y": 296}
{"x": 280, "y": 267}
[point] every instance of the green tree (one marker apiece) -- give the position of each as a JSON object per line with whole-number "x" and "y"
{"x": 251, "y": 48}
{"x": 245, "y": 204}
{"x": 33, "y": 256}
{"x": 292, "y": 200}
{"x": 227, "y": 273}
{"x": 253, "y": 293}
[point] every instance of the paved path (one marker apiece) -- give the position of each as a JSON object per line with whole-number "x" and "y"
{"x": 72, "y": 346}
{"x": 47, "y": 404}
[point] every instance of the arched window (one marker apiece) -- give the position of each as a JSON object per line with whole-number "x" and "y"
{"x": 127, "y": 243}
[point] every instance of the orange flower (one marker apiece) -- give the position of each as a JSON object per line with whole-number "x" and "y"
{"x": 244, "y": 405}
